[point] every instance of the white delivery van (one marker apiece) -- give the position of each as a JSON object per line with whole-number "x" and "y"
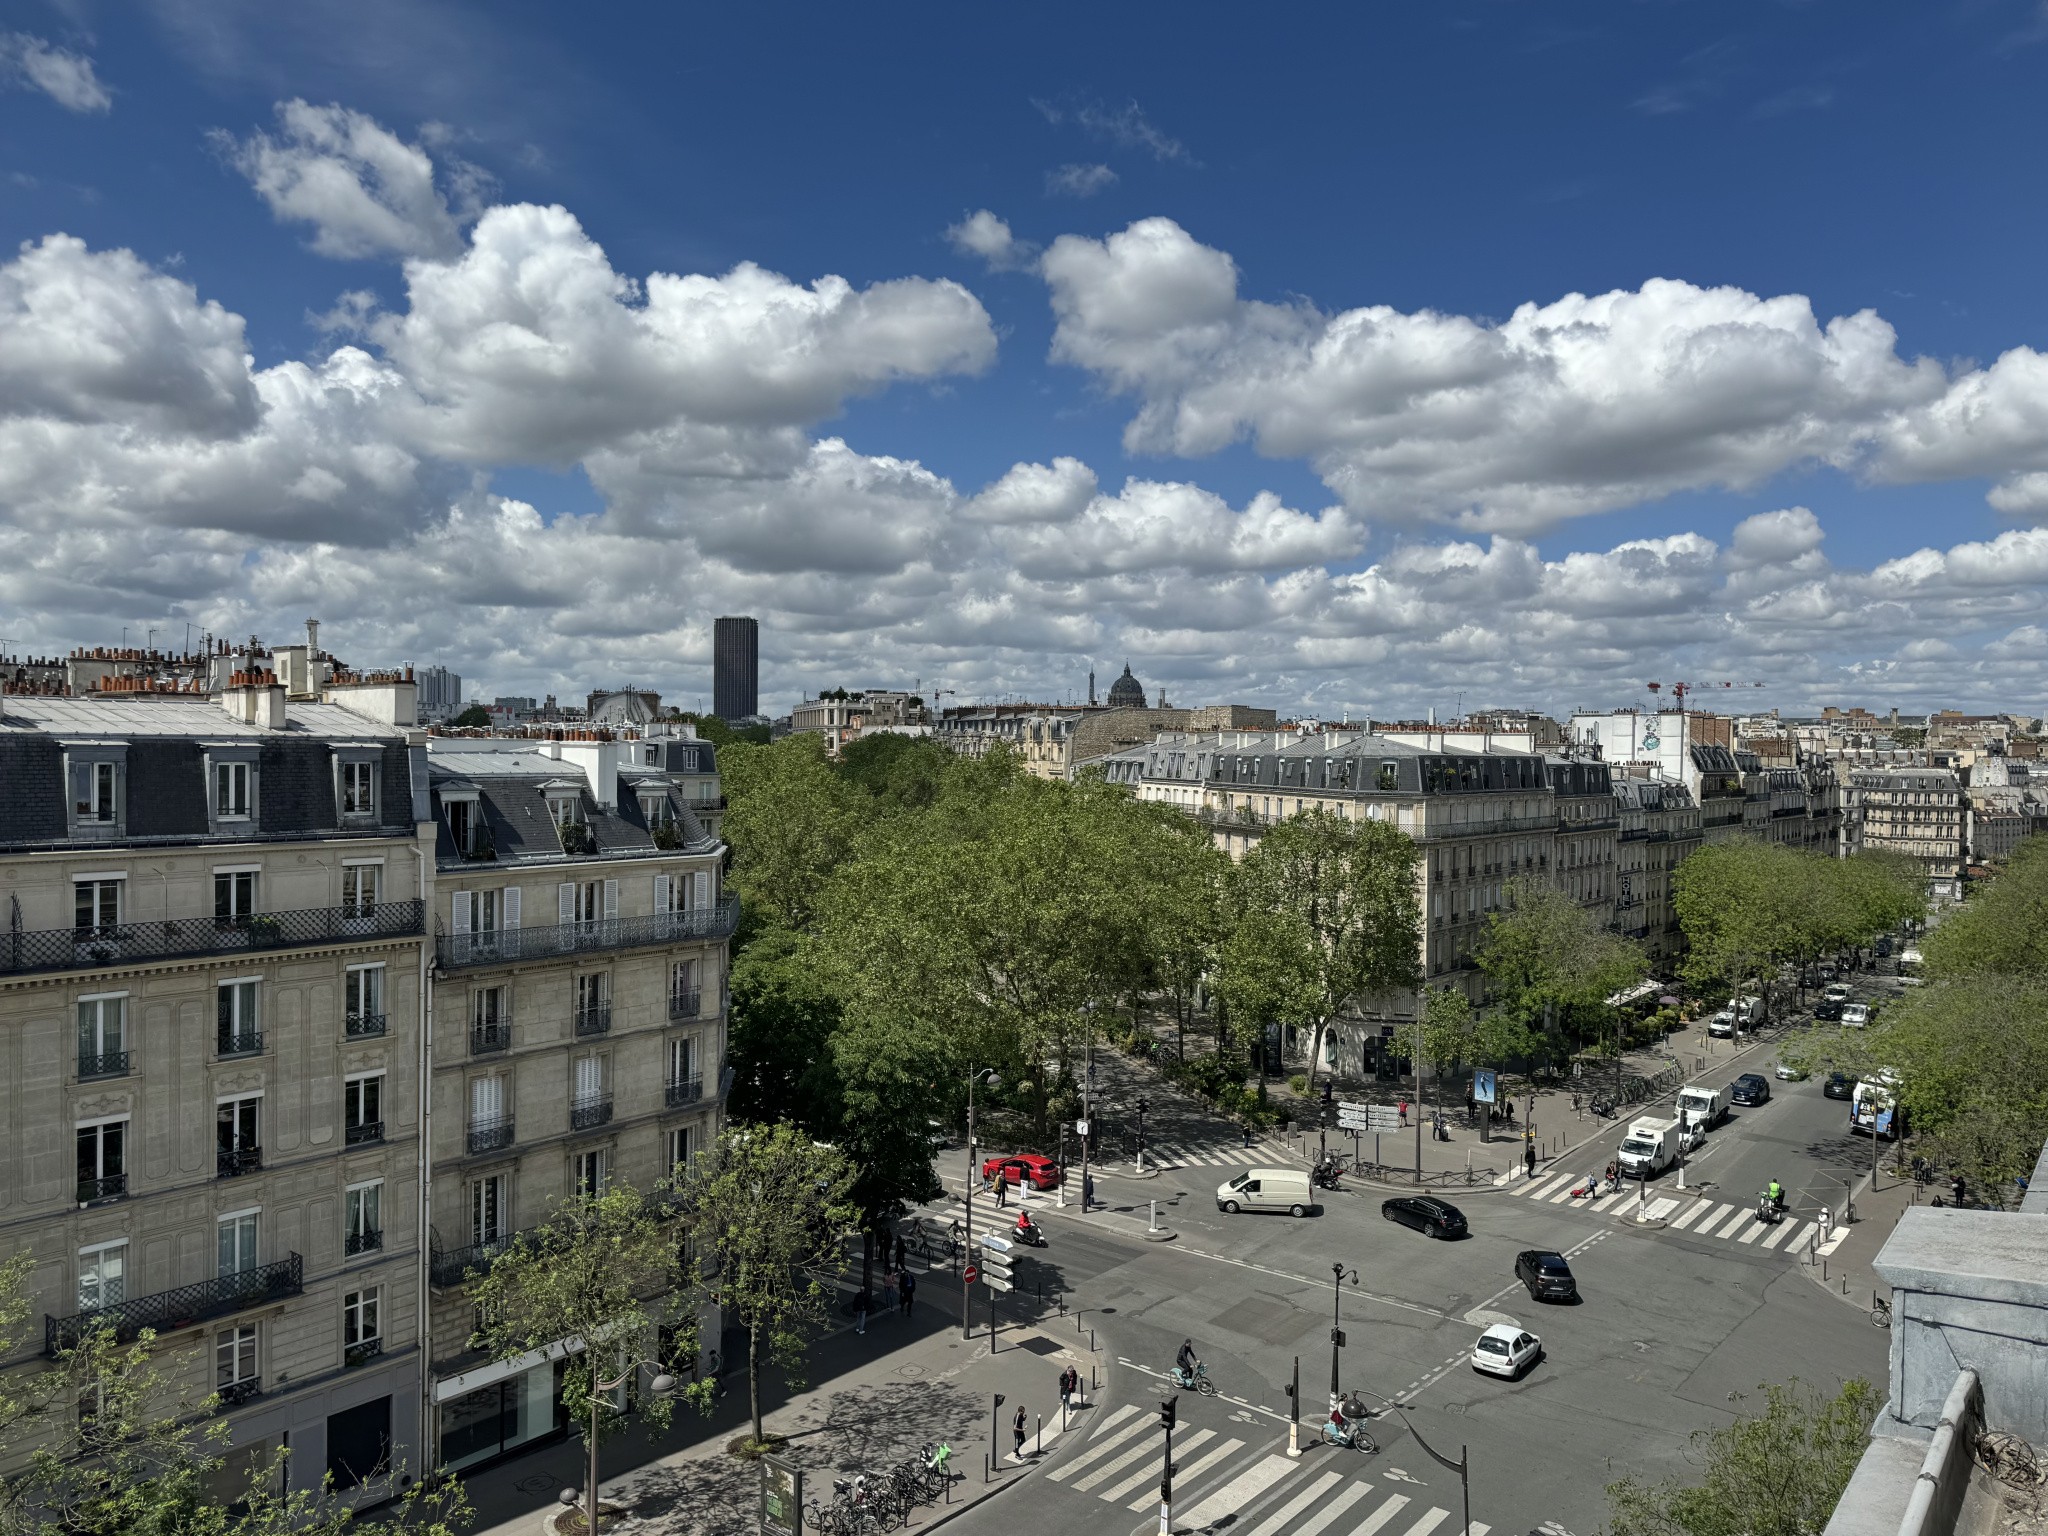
{"x": 1649, "y": 1148}
{"x": 1266, "y": 1189}
{"x": 1703, "y": 1106}
{"x": 1751, "y": 1009}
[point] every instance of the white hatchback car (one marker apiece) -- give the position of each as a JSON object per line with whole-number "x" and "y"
{"x": 1856, "y": 1015}
{"x": 1506, "y": 1350}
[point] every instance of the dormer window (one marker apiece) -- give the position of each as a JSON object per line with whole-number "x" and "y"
{"x": 355, "y": 785}
{"x": 232, "y": 787}
{"x": 98, "y": 777}
{"x": 231, "y": 791}
{"x": 466, "y": 826}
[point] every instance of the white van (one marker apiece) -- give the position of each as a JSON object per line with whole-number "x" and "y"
{"x": 1702, "y": 1106}
{"x": 1649, "y": 1148}
{"x": 1266, "y": 1189}
{"x": 1751, "y": 1010}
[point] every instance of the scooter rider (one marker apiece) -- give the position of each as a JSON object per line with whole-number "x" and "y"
{"x": 1777, "y": 1194}
{"x": 1027, "y": 1229}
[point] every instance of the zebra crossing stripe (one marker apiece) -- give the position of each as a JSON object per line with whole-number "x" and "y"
{"x": 1610, "y": 1202}
{"x": 1562, "y": 1195}
{"x": 1241, "y": 1490}
{"x": 1117, "y": 1465}
{"x": 1328, "y": 1514}
{"x": 1122, "y": 1490}
{"x": 1286, "y": 1512}
{"x": 1428, "y": 1523}
{"x": 1739, "y": 1214}
{"x": 1780, "y": 1232}
{"x": 1804, "y": 1232}
{"x": 1693, "y": 1213}
{"x": 1115, "y": 1418}
{"x": 1229, "y": 1447}
{"x": 1066, "y": 1470}
{"x": 1543, "y": 1189}
{"x": 1373, "y": 1521}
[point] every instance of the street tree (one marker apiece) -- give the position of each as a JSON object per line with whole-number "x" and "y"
{"x": 1266, "y": 974}
{"x": 791, "y": 822}
{"x": 1177, "y": 878}
{"x": 602, "y": 1271}
{"x": 104, "y": 1443}
{"x": 2003, "y": 929}
{"x": 784, "y": 1020}
{"x": 897, "y": 773}
{"x": 1351, "y": 887}
{"x": 1549, "y": 965}
{"x": 769, "y": 1210}
{"x": 892, "y": 1069}
{"x": 1777, "y": 1472}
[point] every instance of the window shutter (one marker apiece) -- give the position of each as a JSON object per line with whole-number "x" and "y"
{"x": 254, "y": 801}
{"x": 611, "y": 899}
{"x": 508, "y": 906}
{"x": 81, "y": 788}
{"x": 459, "y": 913}
{"x": 661, "y": 893}
{"x": 565, "y": 903}
{"x": 703, "y": 882}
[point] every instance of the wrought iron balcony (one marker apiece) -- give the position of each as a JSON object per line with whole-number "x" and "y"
{"x": 106, "y": 1064}
{"x": 362, "y": 1026}
{"x": 183, "y": 1307}
{"x": 595, "y": 1019}
{"x": 490, "y": 1134}
{"x": 362, "y": 1352}
{"x": 683, "y": 1005}
{"x": 84, "y": 949}
{"x": 233, "y": 1162}
{"x": 685, "y": 1090}
{"x": 587, "y": 1114}
{"x": 353, "y": 1243}
{"x": 113, "y": 1186}
{"x": 451, "y": 1266}
{"x": 487, "y": 1038}
{"x": 235, "y": 1393}
{"x": 240, "y": 1042}
{"x": 365, "y": 1131}
{"x": 508, "y": 946}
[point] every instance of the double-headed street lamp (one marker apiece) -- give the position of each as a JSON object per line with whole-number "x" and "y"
{"x": 1337, "y": 1323}
{"x": 975, "y": 1077}
{"x": 662, "y": 1385}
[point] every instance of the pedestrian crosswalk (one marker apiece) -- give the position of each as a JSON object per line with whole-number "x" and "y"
{"x": 1680, "y": 1211}
{"x": 1239, "y": 1480}
{"x": 1169, "y": 1155}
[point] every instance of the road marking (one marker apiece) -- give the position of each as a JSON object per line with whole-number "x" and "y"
{"x": 1303, "y": 1280}
{"x": 1066, "y": 1470}
{"x": 1329, "y": 1513}
{"x": 1121, "y": 1490}
{"x": 1719, "y": 1227}
{"x": 1118, "y": 1464}
{"x": 1563, "y": 1194}
{"x": 1221, "y": 1397}
{"x": 1115, "y": 1418}
{"x": 1805, "y": 1232}
{"x": 1780, "y": 1232}
{"x": 1699, "y": 1209}
{"x": 1430, "y": 1380}
{"x": 1285, "y": 1512}
{"x": 1547, "y": 1186}
{"x": 1836, "y": 1241}
{"x": 1245, "y": 1487}
{"x": 1380, "y": 1516}
{"x": 1228, "y": 1447}
{"x": 1759, "y": 1229}
{"x": 1660, "y": 1208}
{"x": 1428, "y": 1523}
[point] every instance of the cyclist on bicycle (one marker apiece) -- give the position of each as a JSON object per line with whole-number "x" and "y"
{"x": 1185, "y": 1363}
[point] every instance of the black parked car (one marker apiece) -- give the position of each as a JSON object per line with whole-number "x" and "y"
{"x": 1546, "y": 1275}
{"x": 1828, "y": 1008}
{"x": 1750, "y": 1088}
{"x": 1840, "y": 1085}
{"x": 1426, "y": 1214}
{"x": 1882, "y": 947}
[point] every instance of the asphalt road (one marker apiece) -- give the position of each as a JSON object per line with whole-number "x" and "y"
{"x": 1675, "y": 1325}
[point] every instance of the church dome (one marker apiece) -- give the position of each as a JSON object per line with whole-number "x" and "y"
{"x": 1127, "y": 692}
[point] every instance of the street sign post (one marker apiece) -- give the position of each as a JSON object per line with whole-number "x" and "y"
{"x": 1382, "y": 1117}
{"x": 994, "y": 1270}
{"x": 1352, "y": 1116}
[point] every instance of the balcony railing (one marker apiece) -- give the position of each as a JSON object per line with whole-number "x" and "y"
{"x": 588, "y": 1114}
{"x": 233, "y": 1162}
{"x": 83, "y": 949}
{"x": 595, "y": 1019}
{"x": 113, "y": 1186}
{"x": 490, "y": 1134}
{"x": 362, "y": 1026}
{"x": 353, "y": 1243}
{"x": 364, "y": 1131}
{"x": 179, "y": 1308}
{"x": 361, "y": 1352}
{"x": 507, "y": 946}
{"x": 239, "y": 1042}
{"x": 235, "y": 1393}
{"x": 106, "y": 1064}
{"x": 495, "y": 1035}
{"x": 683, "y": 1005}
{"x": 685, "y": 1090}
{"x": 451, "y": 1266}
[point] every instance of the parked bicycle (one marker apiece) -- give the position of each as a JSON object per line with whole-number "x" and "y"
{"x": 1880, "y": 1311}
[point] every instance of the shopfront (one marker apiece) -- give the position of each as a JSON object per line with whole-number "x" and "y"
{"x": 492, "y": 1411}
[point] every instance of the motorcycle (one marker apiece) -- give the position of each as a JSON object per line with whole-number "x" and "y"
{"x": 1325, "y": 1174}
{"x": 1769, "y": 1211}
{"x": 1032, "y": 1236}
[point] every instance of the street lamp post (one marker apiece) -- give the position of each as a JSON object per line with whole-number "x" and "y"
{"x": 1087, "y": 1125}
{"x": 974, "y": 1076}
{"x": 662, "y": 1385}
{"x": 1337, "y": 1324}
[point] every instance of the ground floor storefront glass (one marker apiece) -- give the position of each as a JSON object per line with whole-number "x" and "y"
{"x": 501, "y": 1417}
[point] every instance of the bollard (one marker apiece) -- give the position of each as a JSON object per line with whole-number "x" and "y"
{"x": 1152, "y": 1222}
{"x": 1039, "y": 1448}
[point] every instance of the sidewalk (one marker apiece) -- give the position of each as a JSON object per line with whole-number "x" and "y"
{"x": 1846, "y": 1263}
{"x": 877, "y": 1397}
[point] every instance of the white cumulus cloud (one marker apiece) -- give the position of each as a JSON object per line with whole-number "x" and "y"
{"x": 67, "y": 78}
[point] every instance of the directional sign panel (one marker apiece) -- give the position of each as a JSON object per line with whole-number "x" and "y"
{"x": 1383, "y": 1117}
{"x": 1353, "y": 1116}
{"x": 1002, "y": 1287}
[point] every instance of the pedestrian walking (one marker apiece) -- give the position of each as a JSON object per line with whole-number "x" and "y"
{"x": 1529, "y": 1157}
{"x": 1017, "y": 1431}
{"x": 906, "y": 1287}
{"x": 1002, "y": 1191}
{"x": 1404, "y": 1111}
{"x": 1068, "y": 1381}
{"x": 860, "y": 1313}
{"x": 888, "y": 1290}
{"x": 1471, "y": 1107}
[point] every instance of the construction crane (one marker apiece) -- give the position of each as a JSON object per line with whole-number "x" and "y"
{"x": 1680, "y": 690}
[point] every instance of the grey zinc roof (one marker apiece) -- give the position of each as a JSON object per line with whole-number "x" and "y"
{"x": 126, "y": 718}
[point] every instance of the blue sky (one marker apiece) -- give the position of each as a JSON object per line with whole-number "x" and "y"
{"x": 1255, "y": 281}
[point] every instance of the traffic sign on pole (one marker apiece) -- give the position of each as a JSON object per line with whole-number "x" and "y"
{"x": 973, "y": 1274}
{"x": 996, "y": 1259}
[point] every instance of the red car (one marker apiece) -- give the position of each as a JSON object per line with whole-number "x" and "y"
{"x": 1043, "y": 1172}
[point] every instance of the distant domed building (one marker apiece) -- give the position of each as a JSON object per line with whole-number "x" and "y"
{"x": 1127, "y": 692}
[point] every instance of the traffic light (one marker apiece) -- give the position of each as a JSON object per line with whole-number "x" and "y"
{"x": 1166, "y": 1411}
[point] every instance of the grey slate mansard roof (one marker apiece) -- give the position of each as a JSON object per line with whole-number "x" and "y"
{"x": 512, "y": 793}
{"x": 164, "y": 741}
{"x": 1351, "y": 762}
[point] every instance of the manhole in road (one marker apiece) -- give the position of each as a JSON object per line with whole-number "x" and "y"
{"x": 910, "y": 1370}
